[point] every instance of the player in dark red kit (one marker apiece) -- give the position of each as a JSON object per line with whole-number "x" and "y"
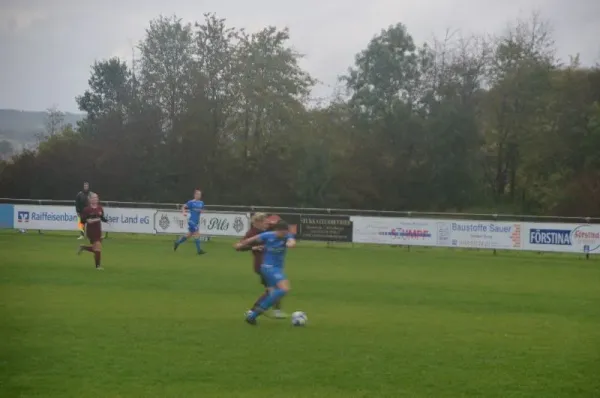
{"x": 261, "y": 223}
{"x": 92, "y": 217}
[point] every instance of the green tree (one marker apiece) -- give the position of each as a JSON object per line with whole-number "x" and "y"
{"x": 480, "y": 123}
{"x": 110, "y": 90}
{"x": 520, "y": 79}
{"x": 384, "y": 86}
{"x": 203, "y": 139}
{"x": 166, "y": 66}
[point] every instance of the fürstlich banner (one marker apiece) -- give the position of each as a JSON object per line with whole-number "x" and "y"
{"x": 325, "y": 228}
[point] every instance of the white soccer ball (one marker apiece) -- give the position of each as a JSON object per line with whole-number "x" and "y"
{"x": 299, "y": 318}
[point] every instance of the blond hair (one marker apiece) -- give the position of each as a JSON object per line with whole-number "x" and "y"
{"x": 258, "y": 217}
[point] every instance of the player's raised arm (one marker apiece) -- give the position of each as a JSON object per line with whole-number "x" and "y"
{"x": 248, "y": 241}
{"x": 254, "y": 239}
{"x": 250, "y": 233}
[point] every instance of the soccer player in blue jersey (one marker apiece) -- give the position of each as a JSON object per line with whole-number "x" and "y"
{"x": 276, "y": 243}
{"x": 194, "y": 208}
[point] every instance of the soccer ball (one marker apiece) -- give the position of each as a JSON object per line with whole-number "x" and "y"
{"x": 299, "y": 318}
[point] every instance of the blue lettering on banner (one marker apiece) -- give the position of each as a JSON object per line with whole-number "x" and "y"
{"x": 480, "y": 227}
{"x": 501, "y": 229}
{"x": 469, "y": 227}
{"x": 122, "y": 219}
{"x": 560, "y": 237}
{"x": 46, "y": 216}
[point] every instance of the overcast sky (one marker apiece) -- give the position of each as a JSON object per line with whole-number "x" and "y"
{"x": 47, "y": 46}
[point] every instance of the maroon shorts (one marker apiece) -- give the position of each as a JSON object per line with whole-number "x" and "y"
{"x": 94, "y": 232}
{"x": 93, "y": 238}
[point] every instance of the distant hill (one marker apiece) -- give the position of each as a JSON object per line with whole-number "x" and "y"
{"x": 21, "y": 127}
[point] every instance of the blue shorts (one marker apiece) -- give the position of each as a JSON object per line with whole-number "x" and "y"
{"x": 193, "y": 228}
{"x": 272, "y": 275}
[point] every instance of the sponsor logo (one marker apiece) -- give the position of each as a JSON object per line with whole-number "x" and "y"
{"x": 45, "y": 216}
{"x": 215, "y": 224}
{"x": 586, "y": 237}
{"x": 326, "y": 221}
{"x": 478, "y": 234}
{"x": 404, "y": 233}
{"x": 238, "y": 224}
{"x": 23, "y": 216}
{"x": 559, "y": 237}
{"x": 164, "y": 222}
{"x": 482, "y": 228}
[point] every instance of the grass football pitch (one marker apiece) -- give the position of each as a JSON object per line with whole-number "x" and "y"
{"x": 383, "y": 322}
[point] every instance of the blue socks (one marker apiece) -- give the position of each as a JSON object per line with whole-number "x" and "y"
{"x": 183, "y": 238}
{"x": 268, "y": 301}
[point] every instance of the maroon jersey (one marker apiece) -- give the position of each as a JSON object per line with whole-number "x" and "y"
{"x": 256, "y": 254}
{"x": 93, "y": 229}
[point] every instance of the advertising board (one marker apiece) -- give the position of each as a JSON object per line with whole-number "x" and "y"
{"x": 566, "y": 238}
{"x": 211, "y": 223}
{"x": 64, "y": 218}
{"x": 479, "y": 234}
{"x": 394, "y": 231}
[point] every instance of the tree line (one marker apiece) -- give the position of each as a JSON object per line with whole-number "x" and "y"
{"x": 480, "y": 123}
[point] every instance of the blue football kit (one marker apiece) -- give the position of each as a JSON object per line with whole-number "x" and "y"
{"x": 195, "y": 208}
{"x": 274, "y": 257}
{"x": 275, "y": 249}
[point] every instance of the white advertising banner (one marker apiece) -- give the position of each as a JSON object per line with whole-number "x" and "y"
{"x": 213, "y": 224}
{"x": 542, "y": 237}
{"x": 64, "y": 218}
{"x": 137, "y": 221}
{"x": 57, "y": 218}
{"x": 394, "y": 231}
{"x": 567, "y": 238}
{"x": 479, "y": 234}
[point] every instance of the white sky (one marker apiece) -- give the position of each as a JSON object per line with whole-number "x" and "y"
{"x": 47, "y": 47}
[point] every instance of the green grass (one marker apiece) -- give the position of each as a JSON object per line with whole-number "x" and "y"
{"x": 383, "y": 322}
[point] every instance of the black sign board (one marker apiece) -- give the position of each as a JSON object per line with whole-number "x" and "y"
{"x": 322, "y": 228}
{"x": 325, "y": 228}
